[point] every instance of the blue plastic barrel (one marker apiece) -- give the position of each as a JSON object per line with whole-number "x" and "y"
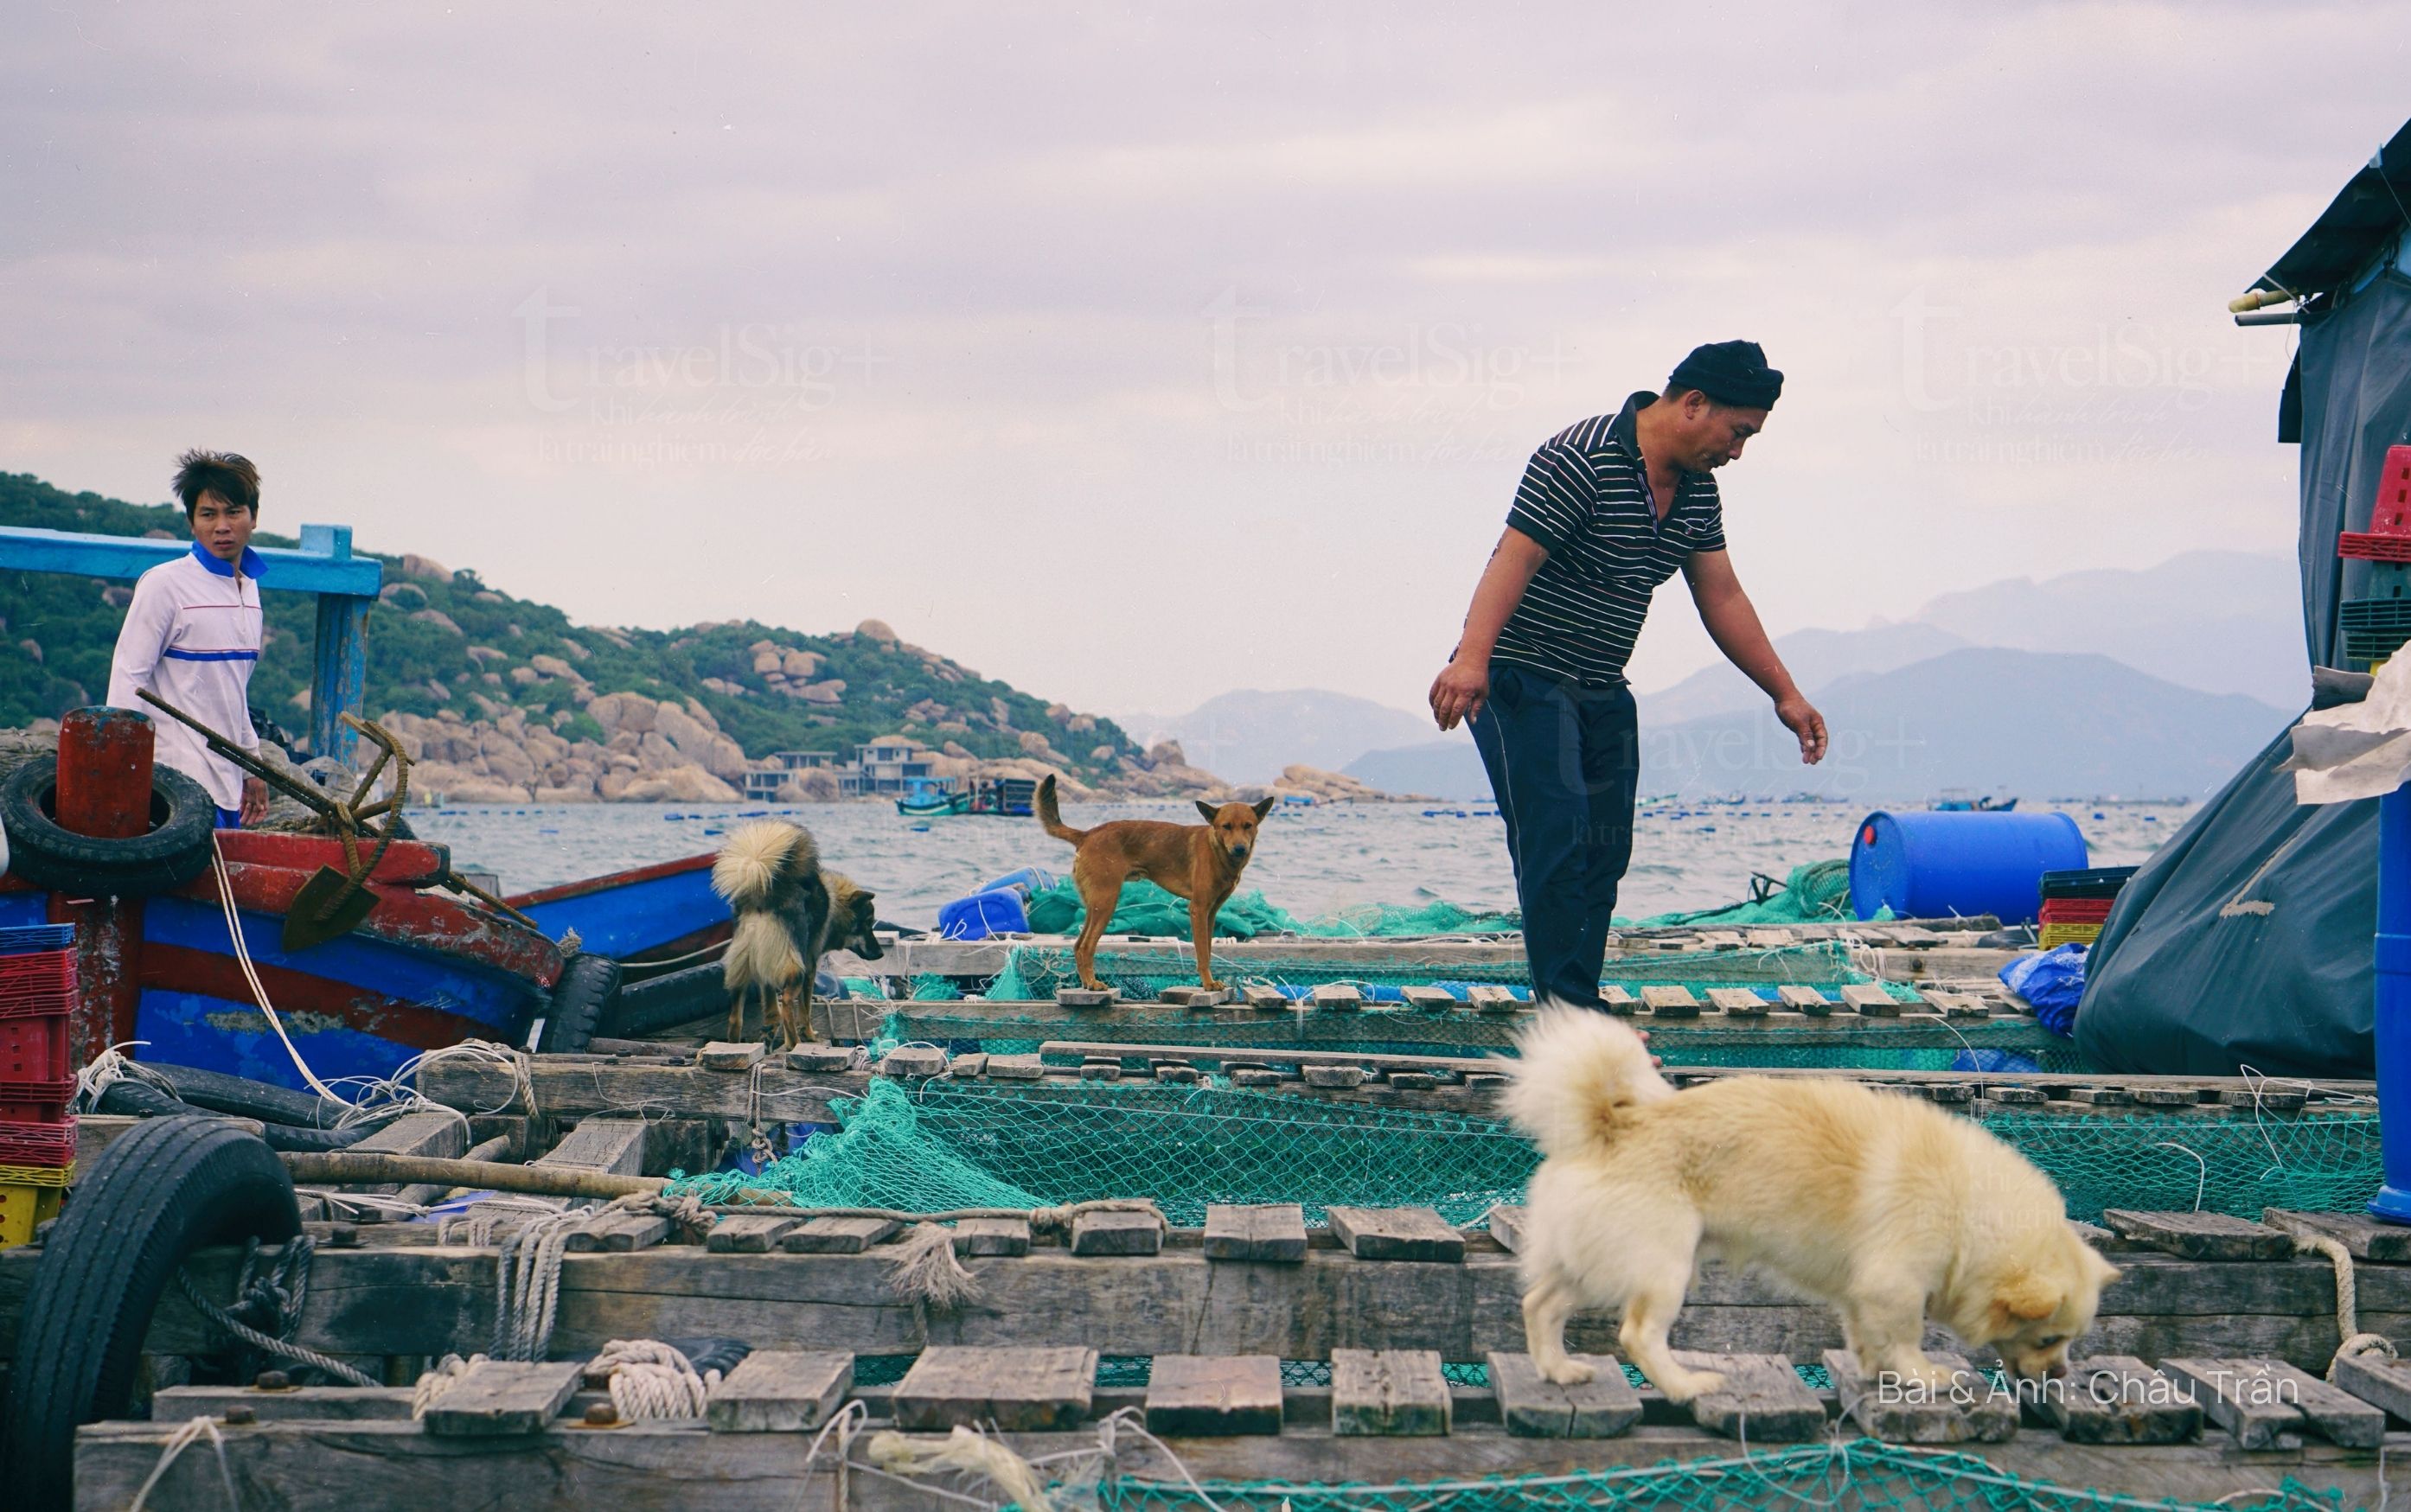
{"x": 982, "y": 914}
{"x": 1937, "y": 865}
{"x": 2393, "y": 1005}
{"x": 1028, "y": 879}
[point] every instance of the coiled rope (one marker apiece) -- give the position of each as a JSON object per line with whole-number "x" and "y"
{"x": 275, "y": 1296}
{"x": 2354, "y": 1344}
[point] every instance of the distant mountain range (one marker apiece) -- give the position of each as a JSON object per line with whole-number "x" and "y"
{"x": 1996, "y": 721}
{"x": 1249, "y": 736}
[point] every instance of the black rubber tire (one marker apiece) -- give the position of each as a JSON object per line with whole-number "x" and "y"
{"x": 176, "y": 850}
{"x": 666, "y": 1002}
{"x": 581, "y": 999}
{"x": 170, "y": 1186}
{"x": 240, "y": 1096}
{"x": 143, "y": 1100}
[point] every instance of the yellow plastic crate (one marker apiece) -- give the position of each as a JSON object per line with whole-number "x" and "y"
{"x": 21, "y": 1207}
{"x": 2067, "y": 934}
{"x": 38, "y": 1175}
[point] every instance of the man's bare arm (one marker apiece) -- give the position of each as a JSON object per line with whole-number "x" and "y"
{"x": 1732, "y": 621}
{"x": 1462, "y": 686}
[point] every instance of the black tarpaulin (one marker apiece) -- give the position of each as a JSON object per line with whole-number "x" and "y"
{"x": 2247, "y": 940}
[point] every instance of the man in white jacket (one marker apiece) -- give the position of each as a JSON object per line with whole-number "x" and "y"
{"x": 194, "y": 631}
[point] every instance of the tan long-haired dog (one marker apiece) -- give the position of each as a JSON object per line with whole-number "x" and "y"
{"x": 790, "y": 913}
{"x": 1198, "y": 862}
{"x": 1884, "y": 1208}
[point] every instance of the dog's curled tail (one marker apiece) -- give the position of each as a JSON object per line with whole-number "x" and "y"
{"x": 754, "y": 857}
{"x": 1579, "y": 1078}
{"x": 1051, "y": 816}
{"x": 760, "y": 954}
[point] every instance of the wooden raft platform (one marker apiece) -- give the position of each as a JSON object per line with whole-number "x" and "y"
{"x": 738, "y": 1082}
{"x": 1384, "y": 1279}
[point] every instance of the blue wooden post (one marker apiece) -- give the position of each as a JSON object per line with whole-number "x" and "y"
{"x": 339, "y": 664}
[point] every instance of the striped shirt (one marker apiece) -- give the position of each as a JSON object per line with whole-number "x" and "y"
{"x": 192, "y": 636}
{"x": 1586, "y": 498}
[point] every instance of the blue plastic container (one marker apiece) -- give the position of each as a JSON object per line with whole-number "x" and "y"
{"x": 1028, "y": 879}
{"x": 982, "y": 914}
{"x": 1937, "y": 865}
{"x": 2393, "y": 1005}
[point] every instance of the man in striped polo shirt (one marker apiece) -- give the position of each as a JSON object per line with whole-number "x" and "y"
{"x": 1608, "y": 510}
{"x": 193, "y": 633}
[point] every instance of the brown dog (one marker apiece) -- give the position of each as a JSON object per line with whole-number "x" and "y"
{"x": 790, "y": 913}
{"x": 1198, "y": 862}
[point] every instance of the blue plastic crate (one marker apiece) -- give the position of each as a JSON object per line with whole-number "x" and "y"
{"x": 25, "y": 939}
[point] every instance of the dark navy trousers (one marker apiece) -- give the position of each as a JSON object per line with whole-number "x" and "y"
{"x": 1565, "y": 762}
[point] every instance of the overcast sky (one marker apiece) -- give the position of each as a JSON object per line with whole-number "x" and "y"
{"x": 1134, "y": 355}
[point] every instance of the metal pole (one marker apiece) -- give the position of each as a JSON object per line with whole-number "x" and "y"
{"x": 104, "y": 790}
{"x": 2393, "y": 1003}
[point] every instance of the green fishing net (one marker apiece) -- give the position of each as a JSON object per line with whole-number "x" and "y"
{"x": 967, "y": 1144}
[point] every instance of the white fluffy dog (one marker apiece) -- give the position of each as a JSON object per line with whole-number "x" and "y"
{"x": 1884, "y": 1208}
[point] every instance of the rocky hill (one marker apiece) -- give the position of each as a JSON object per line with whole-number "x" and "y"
{"x": 502, "y": 699}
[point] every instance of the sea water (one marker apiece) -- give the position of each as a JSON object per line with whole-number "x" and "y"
{"x": 1310, "y": 861}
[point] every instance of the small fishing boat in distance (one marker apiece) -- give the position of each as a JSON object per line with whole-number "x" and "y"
{"x": 932, "y": 798}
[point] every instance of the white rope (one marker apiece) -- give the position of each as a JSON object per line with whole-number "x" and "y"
{"x": 527, "y": 1284}
{"x": 432, "y": 1385}
{"x": 181, "y": 1439}
{"x": 652, "y": 1381}
{"x": 242, "y": 958}
{"x": 963, "y": 1452}
{"x": 107, "y": 1068}
{"x": 2353, "y": 1343}
{"x": 479, "y": 1224}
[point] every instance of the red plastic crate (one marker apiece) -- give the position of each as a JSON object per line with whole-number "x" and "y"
{"x": 37, "y": 971}
{"x": 34, "y": 1047}
{"x": 37, "y": 1144}
{"x": 2366, "y": 547}
{"x": 33, "y": 1109}
{"x": 2075, "y": 910}
{"x": 2390, "y": 512}
{"x": 23, "y": 1008}
{"x": 42, "y": 1089}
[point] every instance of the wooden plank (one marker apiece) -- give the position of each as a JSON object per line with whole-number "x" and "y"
{"x": 1016, "y": 1068}
{"x": 1803, "y": 999}
{"x": 964, "y": 1068}
{"x": 1397, "y": 1234}
{"x": 617, "y": 1233}
{"x": 1762, "y": 1397}
{"x": 842, "y": 1236}
{"x": 2377, "y": 1380}
{"x": 2237, "y": 1396}
{"x": 1015, "y": 1389}
{"x": 2363, "y": 1237}
{"x": 1117, "y": 1232}
{"x": 913, "y": 1062}
{"x": 500, "y": 1396}
{"x": 1430, "y": 999}
{"x": 729, "y": 1055}
{"x": 1389, "y": 1392}
{"x": 1214, "y": 1395}
{"x": 1266, "y": 1231}
{"x": 1670, "y": 1002}
{"x": 2200, "y": 1236}
{"x": 748, "y": 1233}
{"x": 1506, "y": 1223}
{"x": 1489, "y": 998}
{"x": 1603, "y": 1406}
{"x": 1334, "y": 1076}
{"x": 615, "y": 1145}
{"x": 1336, "y": 997}
{"x": 1958, "y": 1005}
{"x": 2258, "y": 1400}
{"x": 822, "y": 1058}
{"x": 1869, "y": 999}
{"x": 1265, "y": 999}
{"x": 1084, "y": 996}
{"x": 992, "y": 1236}
{"x": 779, "y": 1391}
{"x": 1619, "y": 1000}
{"x": 1968, "y": 1411}
{"x": 649, "y": 1467}
{"x": 313, "y": 1404}
{"x": 2117, "y": 1398}
{"x": 1740, "y": 1002}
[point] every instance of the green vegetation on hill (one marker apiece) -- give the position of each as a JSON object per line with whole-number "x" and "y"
{"x": 444, "y": 640}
